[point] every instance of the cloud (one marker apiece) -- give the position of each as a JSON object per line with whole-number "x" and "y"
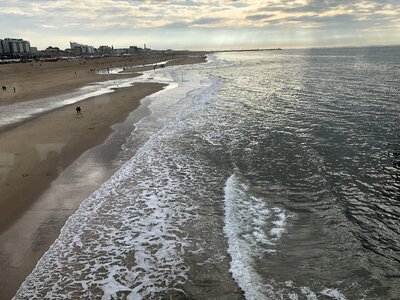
{"x": 207, "y": 21}
{"x": 259, "y": 17}
{"x": 82, "y": 18}
{"x": 155, "y": 13}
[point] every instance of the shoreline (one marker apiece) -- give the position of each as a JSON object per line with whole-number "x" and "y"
{"x": 36, "y": 153}
{"x": 39, "y": 164}
{"x": 39, "y": 149}
{"x": 56, "y": 100}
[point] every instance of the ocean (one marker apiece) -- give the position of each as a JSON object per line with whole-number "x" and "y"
{"x": 257, "y": 175}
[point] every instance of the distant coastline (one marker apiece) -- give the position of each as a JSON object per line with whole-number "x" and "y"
{"x": 250, "y": 50}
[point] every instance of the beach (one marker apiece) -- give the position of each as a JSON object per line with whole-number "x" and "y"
{"x": 43, "y": 79}
{"x": 35, "y": 152}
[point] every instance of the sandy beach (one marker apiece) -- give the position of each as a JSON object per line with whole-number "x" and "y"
{"x": 43, "y": 79}
{"x": 37, "y": 150}
{"x": 35, "y": 153}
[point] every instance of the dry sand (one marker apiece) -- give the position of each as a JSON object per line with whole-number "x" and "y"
{"x": 43, "y": 79}
{"x": 34, "y": 153}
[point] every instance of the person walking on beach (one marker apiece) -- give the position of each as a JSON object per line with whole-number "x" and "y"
{"x": 78, "y": 110}
{"x": 14, "y": 89}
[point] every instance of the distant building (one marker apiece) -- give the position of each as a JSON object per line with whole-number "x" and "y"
{"x": 133, "y": 50}
{"x": 15, "y": 47}
{"x": 34, "y": 50}
{"x": 5, "y": 47}
{"x": 105, "y": 50}
{"x": 90, "y": 50}
{"x": 52, "y": 51}
{"x": 121, "y": 51}
{"x": 75, "y": 45}
{"x": 80, "y": 49}
{"x": 77, "y": 51}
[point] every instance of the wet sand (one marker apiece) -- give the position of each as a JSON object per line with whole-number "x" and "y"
{"x": 35, "y": 153}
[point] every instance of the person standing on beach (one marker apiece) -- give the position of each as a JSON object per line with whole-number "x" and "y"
{"x": 78, "y": 110}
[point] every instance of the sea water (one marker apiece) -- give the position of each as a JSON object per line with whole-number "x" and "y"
{"x": 260, "y": 175}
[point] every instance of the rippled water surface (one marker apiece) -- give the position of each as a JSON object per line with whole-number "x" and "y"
{"x": 276, "y": 172}
{"x": 317, "y": 135}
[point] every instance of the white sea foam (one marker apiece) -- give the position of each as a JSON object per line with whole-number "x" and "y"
{"x": 111, "y": 71}
{"x": 127, "y": 240}
{"x": 333, "y": 293}
{"x": 253, "y": 229}
{"x": 117, "y": 70}
{"x": 308, "y": 293}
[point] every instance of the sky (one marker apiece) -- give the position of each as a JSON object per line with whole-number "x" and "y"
{"x": 202, "y": 24}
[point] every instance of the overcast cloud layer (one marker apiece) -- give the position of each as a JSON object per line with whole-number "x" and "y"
{"x": 202, "y": 24}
